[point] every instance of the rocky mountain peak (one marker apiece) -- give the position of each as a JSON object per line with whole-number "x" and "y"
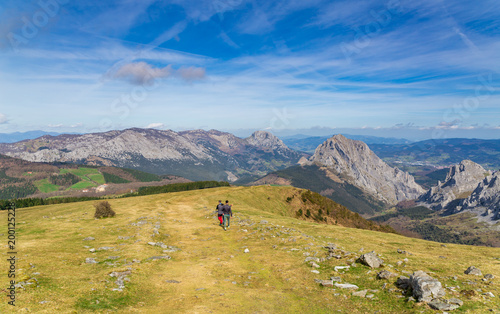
{"x": 484, "y": 200}
{"x": 265, "y": 139}
{"x": 358, "y": 165}
{"x": 460, "y": 181}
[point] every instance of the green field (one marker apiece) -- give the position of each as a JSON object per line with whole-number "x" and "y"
{"x": 211, "y": 273}
{"x": 45, "y": 186}
{"x": 82, "y": 185}
{"x": 90, "y": 177}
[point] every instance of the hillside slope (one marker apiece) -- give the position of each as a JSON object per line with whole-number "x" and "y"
{"x": 194, "y": 266}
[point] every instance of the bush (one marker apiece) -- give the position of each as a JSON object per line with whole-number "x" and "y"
{"x": 103, "y": 209}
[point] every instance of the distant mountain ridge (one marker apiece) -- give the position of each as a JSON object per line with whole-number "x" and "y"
{"x": 19, "y": 136}
{"x": 442, "y": 152}
{"x": 309, "y": 144}
{"x": 196, "y": 155}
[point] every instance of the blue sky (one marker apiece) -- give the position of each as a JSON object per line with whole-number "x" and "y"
{"x": 419, "y": 69}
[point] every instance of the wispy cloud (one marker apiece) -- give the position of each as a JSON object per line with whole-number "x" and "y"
{"x": 3, "y": 119}
{"x": 142, "y": 73}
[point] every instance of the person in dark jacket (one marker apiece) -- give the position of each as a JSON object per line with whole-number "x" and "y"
{"x": 219, "y": 212}
{"x": 227, "y": 213}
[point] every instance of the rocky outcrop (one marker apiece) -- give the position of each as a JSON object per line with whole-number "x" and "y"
{"x": 355, "y": 163}
{"x": 484, "y": 200}
{"x": 425, "y": 288}
{"x": 196, "y": 155}
{"x": 460, "y": 181}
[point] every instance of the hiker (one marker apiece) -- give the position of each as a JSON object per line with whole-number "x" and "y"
{"x": 219, "y": 212}
{"x": 227, "y": 212}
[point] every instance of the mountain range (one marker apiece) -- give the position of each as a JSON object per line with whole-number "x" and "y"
{"x": 195, "y": 155}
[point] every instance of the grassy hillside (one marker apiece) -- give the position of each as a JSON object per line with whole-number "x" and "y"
{"x": 210, "y": 271}
{"x": 316, "y": 179}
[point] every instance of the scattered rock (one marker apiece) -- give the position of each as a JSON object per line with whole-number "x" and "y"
{"x": 456, "y": 301}
{"x": 385, "y": 274}
{"x": 90, "y": 260}
{"x": 425, "y": 288}
{"x": 361, "y": 293}
{"x": 472, "y": 270}
{"x": 489, "y": 294}
{"x": 312, "y": 258}
{"x": 263, "y": 222}
{"x": 442, "y": 306}
{"x": 154, "y": 258}
{"x": 313, "y": 264}
{"x": 89, "y": 239}
{"x": 92, "y": 250}
{"x": 315, "y": 271}
{"x": 326, "y": 283}
{"x": 337, "y": 268}
{"x": 246, "y": 251}
{"x": 121, "y": 277}
{"x": 346, "y": 286}
{"x": 336, "y": 278}
{"x": 371, "y": 259}
{"x": 43, "y": 302}
{"x": 105, "y": 248}
{"x": 489, "y": 276}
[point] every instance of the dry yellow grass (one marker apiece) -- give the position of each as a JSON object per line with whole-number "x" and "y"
{"x": 214, "y": 273}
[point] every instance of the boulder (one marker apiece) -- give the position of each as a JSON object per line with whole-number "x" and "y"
{"x": 385, "y": 274}
{"x": 371, "y": 259}
{"x": 472, "y": 270}
{"x": 425, "y": 288}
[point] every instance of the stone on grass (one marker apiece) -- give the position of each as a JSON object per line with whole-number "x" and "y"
{"x": 346, "y": 286}
{"x": 361, "y": 293}
{"x": 425, "y": 288}
{"x": 246, "y": 251}
{"x": 371, "y": 259}
{"x": 385, "y": 274}
{"x": 315, "y": 271}
{"x": 442, "y": 306}
{"x": 472, "y": 270}
{"x": 90, "y": 260}
{"x": 326, "y": 283}
{"x": 336, "y": 278}
{"x": 155, "y": 258}
{"x": 489, "y": 276}
{"x": 456, "y": 301}
{"x": 313, "y": 264}
{"x": 89, "y": 239}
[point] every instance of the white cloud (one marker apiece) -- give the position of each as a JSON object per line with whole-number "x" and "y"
{"x": 3, "y": 119}
{"x": 155, "y": 125}
{"x": 142, "y": 73}
{"x": 55, "y": 125}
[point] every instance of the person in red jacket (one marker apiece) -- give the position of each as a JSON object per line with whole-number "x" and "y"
{"x": 219, "y": 212}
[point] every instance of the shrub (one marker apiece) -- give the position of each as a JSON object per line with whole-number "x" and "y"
{"x": 103, "y": 209}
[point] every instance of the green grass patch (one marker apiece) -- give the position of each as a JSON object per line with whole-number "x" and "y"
{"x": 82, "y": 185}
{"x": 45, "y": 186}
{"x": 97, "y": 178}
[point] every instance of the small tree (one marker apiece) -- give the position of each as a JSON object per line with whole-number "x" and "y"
{"x": 103, "y": 209}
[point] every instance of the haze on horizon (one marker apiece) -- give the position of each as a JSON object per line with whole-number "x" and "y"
{"x": 397, "y": 68}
